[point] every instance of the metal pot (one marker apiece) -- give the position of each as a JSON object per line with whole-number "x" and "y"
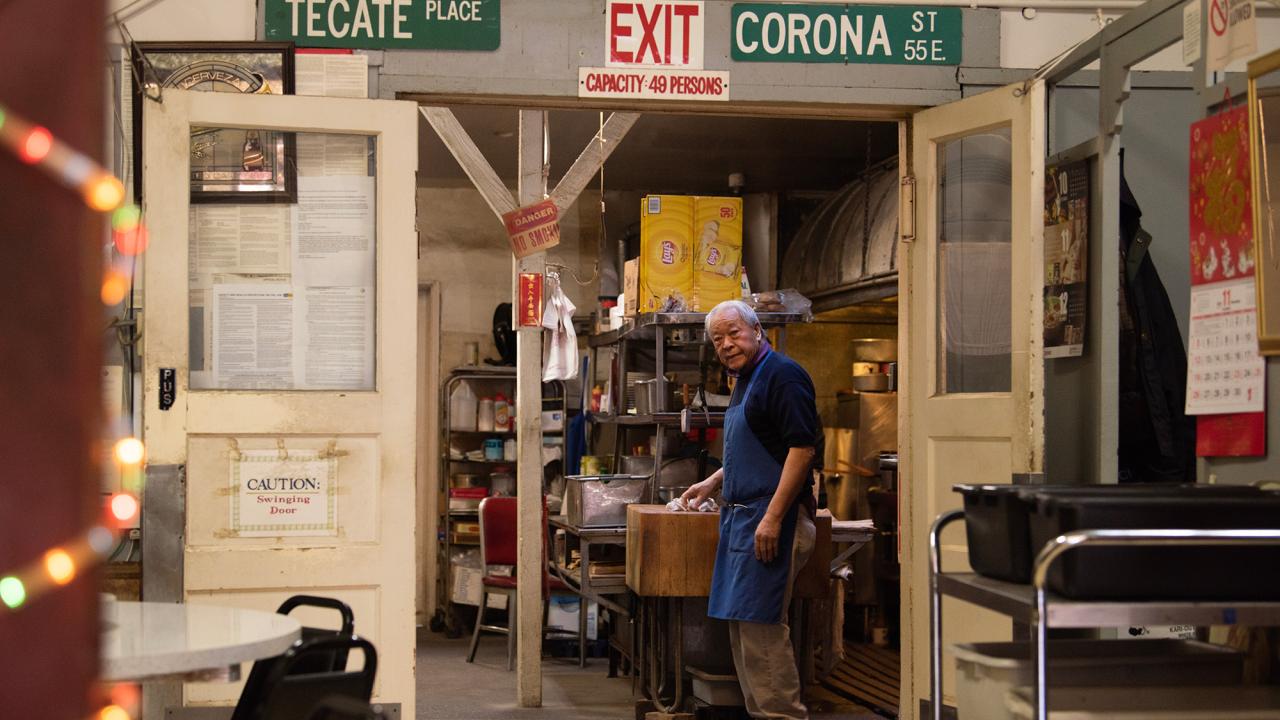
{"x": 878, "y": 382}
{"x": 667, "y": 494}
{"x": 646, "y": 396}
{"x": 636, "y": 465}
{"x": 876, "y": 350}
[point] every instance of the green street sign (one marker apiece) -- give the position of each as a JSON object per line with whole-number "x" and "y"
{"x": 386, "y": 24}
{"x": 880, "y": 34}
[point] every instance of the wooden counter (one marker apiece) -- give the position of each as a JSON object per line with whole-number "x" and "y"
{"x": 672, "y": 554}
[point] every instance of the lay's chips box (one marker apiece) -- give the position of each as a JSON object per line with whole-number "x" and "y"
{"x": 717, "y": 265}
{"x": 666, "y": 253}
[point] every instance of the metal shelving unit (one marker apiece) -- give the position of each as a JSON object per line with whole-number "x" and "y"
{"x": 1035, "y": 605}
{"x": 447, "y": 517}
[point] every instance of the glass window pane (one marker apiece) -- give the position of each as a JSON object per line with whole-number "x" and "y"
{"x": 282, "y": 264}
{"x": 974, "y": 236}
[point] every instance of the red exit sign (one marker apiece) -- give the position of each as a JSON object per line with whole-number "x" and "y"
{"x": 655, "y": 33}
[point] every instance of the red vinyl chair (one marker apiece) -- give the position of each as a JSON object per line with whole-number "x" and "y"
{"x": 498, "y": 547}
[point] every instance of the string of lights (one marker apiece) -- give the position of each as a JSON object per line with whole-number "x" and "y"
{"x": 103, "y": 192}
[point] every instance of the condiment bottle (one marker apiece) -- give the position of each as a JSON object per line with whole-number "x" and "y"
{"x": 485, "y": 416}
{"x": 501, "y": 414}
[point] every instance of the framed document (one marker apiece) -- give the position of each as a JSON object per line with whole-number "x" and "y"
{"x": 227, "y": 164}
{"x": 1264, "y": 150}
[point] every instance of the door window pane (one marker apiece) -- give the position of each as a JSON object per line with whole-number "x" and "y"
{"x": 283, "y": 284}
{"x": 974, "y": 236}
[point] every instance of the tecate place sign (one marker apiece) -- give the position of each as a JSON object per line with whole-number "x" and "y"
{"x": 853, "y": 34}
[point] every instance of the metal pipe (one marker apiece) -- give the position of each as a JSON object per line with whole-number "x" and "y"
{"x": 1058, "y": 546}
{"x": 935, "y": 610}
{"x": 977, "y": 4}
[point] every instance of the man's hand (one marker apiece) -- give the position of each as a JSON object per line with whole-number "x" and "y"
{"x": 767, "y": 533}
{"x": 700, "y": 491}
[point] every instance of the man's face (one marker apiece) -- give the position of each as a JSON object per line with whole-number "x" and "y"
{"x": 736, "y": 342}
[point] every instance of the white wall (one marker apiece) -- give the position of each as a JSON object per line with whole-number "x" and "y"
{"x": 1030, "y": 43}
{"x": 221, "y": 20}
{"x": 465, "y": 246}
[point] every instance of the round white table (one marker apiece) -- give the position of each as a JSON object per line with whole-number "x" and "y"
{"x": 150, "y": 641}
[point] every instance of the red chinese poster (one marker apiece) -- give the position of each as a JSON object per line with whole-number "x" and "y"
{"x": 531, "y": 300}
{"x": 1225, "y": 375}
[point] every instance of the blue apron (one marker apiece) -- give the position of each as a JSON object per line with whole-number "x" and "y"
{"x": 742, "y": 587}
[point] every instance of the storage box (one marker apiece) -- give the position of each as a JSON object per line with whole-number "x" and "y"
{"x": 717, "y": 265}
{"x": 987, "y": 672}
{"x": 602, "y": 500}
{"x": 552, "y": 420}
{"x": 1174, "y": 703}
{"x": 562, "y": 614}
{"x": 466, "y": 588}
{"x": 666, "y": 254}
{"x": 998, "y": 518}
{"x": 631, "y": 287}
{"x": 1167, "y": 573}
{"x": 716, "y": 690}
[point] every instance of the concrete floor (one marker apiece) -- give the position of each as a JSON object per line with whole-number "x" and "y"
{"x": 451, "y": 689}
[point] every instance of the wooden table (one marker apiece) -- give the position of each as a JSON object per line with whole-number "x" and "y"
{"x": 144, "y": 641}
{"x": 671, "y": 555}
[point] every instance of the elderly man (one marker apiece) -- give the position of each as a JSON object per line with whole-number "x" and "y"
{"x": 767, "y": 533}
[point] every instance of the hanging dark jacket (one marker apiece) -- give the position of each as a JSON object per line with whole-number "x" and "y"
{"x": 1157, "y": 438}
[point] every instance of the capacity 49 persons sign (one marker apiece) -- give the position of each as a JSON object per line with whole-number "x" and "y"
{"x": 883, "y": 34}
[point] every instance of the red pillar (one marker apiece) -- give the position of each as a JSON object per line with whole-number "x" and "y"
{"x": 51, "y": 332}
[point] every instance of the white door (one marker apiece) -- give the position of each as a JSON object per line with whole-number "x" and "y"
{"x": 291, "y": 327}
{"x": 973, "y": 383}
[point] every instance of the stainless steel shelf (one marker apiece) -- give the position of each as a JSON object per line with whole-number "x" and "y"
{"x": 640, "y": 326}
{"x": 697, "y": 419}
{"x": 1019, "y": 601}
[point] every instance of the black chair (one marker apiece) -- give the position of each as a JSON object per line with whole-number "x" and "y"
{"x": 288, "y": 694}
{"x": 251, "y": 694}
{"x": 342, "y": 708}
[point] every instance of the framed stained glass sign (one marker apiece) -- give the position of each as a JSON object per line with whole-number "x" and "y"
{"x": 227, "y": 164}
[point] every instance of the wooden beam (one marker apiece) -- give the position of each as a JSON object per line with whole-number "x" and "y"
{"x": 473, "y": 162}
{"x": 592, "y": 158}
{"x": 531, "y": 529}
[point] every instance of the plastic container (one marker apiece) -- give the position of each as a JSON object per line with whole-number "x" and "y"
{"x": 509, "y": 449}
{"x": 484, "y": 415}
{"x": 1174, "y": 703}
{"x": 493, "y": 449}
{"x": 602, "y": 500}
{"x": 987, "y": 672}
{"x": 997, "y": 518}
{"x": 1167, "y": 573}
{"x": 462, "y": 408}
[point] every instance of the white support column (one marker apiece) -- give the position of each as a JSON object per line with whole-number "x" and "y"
{"x": 532, "y": 188}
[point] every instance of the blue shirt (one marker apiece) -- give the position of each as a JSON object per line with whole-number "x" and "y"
{"x": 781, "y": 411}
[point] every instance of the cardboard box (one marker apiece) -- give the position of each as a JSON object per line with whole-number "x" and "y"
{"x": 666, "y": 254}
{"x": 631, "y": 287}
{"x": 466, "y": 588}
{"x": 717, "y": 267}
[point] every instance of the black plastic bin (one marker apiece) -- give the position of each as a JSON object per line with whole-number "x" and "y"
{"x": 1169, "y": 573}
{"x": 997, "y": 526}
{"x": 997, "y": 518}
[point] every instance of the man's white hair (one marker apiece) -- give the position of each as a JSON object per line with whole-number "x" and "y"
{"x": 743, "y": 311}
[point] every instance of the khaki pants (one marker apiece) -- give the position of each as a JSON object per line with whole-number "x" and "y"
{"x": 762, "y": 653}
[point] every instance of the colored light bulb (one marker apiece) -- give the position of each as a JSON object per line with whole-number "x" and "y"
{"x": 129, "y": 451}
{"x": 124, "y": 507}
{"x": 113, "y": 712}
{"x": 12, "y": 592}
{"x": 126, "y": 217}
{"x": 60, "y": 566}
{"x": 36, "y": 145}
{"x": 132, "y": 241}
{"x": 104, "y": 193}
{"x": 114, "y": 287}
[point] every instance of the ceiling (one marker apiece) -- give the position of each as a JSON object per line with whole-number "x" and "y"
{"x": 666, "y": 153}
